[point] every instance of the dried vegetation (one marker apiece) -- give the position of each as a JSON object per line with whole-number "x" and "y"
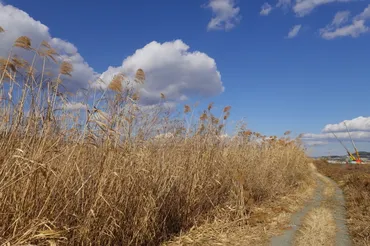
{"x": 115, "y": 173}
{"x": 355, "y": 182}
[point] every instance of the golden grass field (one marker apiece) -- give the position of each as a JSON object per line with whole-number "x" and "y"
{"x": 116, "y": 173}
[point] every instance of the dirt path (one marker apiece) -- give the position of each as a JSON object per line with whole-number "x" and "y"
{"x": 321, "y": 221}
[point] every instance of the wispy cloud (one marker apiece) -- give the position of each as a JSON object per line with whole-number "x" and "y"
{"x": 266, "y": 9}
{"x": 284, "y": 3}
{"x": 294, "y": 31}
{"x": 305, "y": 7}
{"x": 364, "y": 15}
{"x": 312, "y": 143}
{"x": 358, "y": 136}
{"x": 354, "y": 29}
{"x": 226, "y": 15}
{"x": 341, "y": 18}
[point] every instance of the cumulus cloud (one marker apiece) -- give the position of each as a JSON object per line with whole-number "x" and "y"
{"x": 294, "y": 31}
{"x": 338, "y": 29}
{"x": 171, "y": 69}
{"x": 266, "y": 9}
{"x": 304, "y": 7}
{"x": 226, "y": 15}
{"x": 357, "y": 124}
{"x": 359, "y": 129}
{"x": 18, "y": 23}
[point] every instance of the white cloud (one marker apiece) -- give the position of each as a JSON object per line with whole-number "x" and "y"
{"x": 226, "y": 15}
{"x": 304, "y": 7}
{"x": 359, "y": 129}
{"x": 354, "y": 30}
{"x": 170, "y": 67}
{"x": 294, "y": 31}
{"x": 357, "y": 136}
{"x": 341, "y": 18}
{"x": 357, "y": 124}
{"x": 364, "y": 15}
{"x": 18, "y": 23}
{"x": 284, "y": 3}
{"x": 266, "y": 9}
{"x": 173, "y": 70}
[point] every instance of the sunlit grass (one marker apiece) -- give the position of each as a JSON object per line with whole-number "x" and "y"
{"x": 115, "y": 173}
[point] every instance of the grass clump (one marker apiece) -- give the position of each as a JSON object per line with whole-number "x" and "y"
{"x": 114, "y": 172}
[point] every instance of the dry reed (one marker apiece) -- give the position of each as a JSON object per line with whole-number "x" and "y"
{"x": 103, "y": 176}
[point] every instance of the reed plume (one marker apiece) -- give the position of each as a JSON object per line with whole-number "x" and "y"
{"x": 140, "y": 76}
{"x": 66, "y": 68}
{"x": 23, "y": 42}
{"x": 116, "y": 83}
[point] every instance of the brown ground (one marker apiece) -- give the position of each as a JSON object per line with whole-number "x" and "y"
{"x": 355, "y": 182}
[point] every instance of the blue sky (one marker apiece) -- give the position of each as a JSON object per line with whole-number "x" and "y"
{"x": 301, "y": 83}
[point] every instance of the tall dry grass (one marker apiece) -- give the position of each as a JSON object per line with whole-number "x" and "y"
{"x": 117, "y": 174}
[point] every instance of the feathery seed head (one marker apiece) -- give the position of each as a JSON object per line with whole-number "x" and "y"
{"x": 203, "y": 117}
{"x": 6, "y": 67}
{"x": 140, "y": 76}
{"x": 23, "y": 42}
{"x": 163, "y": 96}
{"x": 210, "y": 106}
{"x": 45, "y": 44}
{"x": 5, "y": 64}
{"x": 116, "y": 83}
{"x": 48, "y": 52}
{"x": 66, "y": 68}
{"x": 214, "y": 120}
{"x": 19, "y": 62}
{"x": 187, "y": 109}
{"x": 226, "y": 109}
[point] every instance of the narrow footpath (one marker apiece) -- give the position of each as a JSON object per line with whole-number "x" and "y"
{"x": 321, "y": 222}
